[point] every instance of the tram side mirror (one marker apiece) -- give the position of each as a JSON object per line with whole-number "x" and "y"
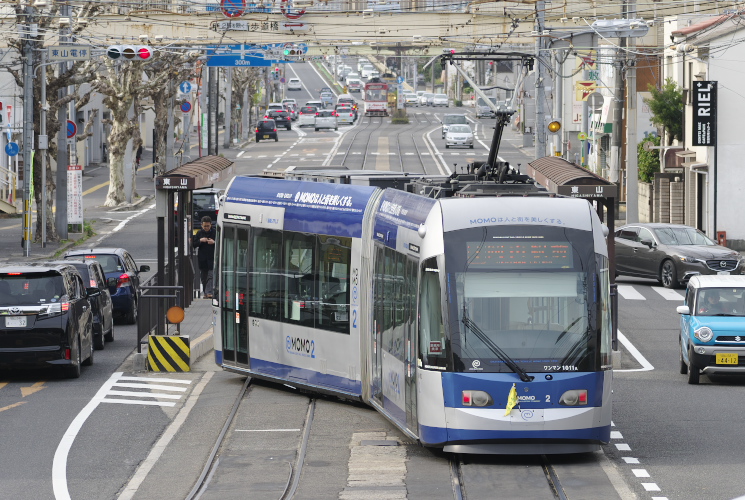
{"x": 93, "y": 292}
{"x": 649, "y": 243}
{"x": 683, "y": 310}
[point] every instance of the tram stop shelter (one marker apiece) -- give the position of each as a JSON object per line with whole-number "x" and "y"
{"x": 567, "y": 179}
{"x": 173, "y": 208}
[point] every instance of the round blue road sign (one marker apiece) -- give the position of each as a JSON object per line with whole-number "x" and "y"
{"x": 185, "y": 107}
{"x": 233, "y": 8}
{"x": 12, "y": 149}
{"x": 72, "y": 129}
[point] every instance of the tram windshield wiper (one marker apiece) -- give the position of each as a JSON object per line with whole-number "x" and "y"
{"x": 495, "y": 348}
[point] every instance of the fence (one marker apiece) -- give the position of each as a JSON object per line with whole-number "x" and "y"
{"x": 152, "y": 306}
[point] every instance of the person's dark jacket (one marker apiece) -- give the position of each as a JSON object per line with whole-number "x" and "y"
{"x": 206, "y": 251}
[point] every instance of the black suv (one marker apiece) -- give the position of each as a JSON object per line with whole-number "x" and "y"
{"x": 117, "y": 263}
{"x": 205, "y": 202}
{"x": 102, "y": 306}
{"x": 281, "y": 118}
{"x": 266, "y": 129}
{"x": 45, "y": 317}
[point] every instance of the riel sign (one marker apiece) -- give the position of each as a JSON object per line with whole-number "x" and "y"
{"x": 704, "y": 131}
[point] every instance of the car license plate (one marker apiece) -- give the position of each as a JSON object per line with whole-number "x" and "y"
{"x": 15, "y": 321}
{"x": 727, "y": 358}
{"x": 341, "y": 316}
{"x": 266, "y": 136}
{"x": 722, "y": 272}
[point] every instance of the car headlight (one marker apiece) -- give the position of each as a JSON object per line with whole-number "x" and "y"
{"x": 704, "y": 334}
{"x": 685, "y": 258}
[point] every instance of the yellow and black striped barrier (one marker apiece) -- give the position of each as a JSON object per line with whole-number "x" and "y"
{"x": 168, "y": 353}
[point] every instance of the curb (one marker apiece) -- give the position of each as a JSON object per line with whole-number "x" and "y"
{"x": 129, "y": 206}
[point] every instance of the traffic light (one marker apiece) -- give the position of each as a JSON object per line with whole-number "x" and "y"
{"x": 292, "y": 50}
{"x": 554, "y": 126}
{"x": 130, "y": 52}
{"x": 275, "y": 73}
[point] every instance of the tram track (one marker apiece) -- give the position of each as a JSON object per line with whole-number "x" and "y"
{"x": 417, "y": 129}
{"x": 353, "y": 139}
{"x": 474, "y": 477}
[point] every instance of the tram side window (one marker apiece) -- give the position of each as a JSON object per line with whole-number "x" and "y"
{"x": 431, "y": 328}
{"x": 266, "y": 292}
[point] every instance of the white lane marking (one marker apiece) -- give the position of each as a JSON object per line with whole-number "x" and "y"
{"x": 628, "y": 292}
{"x": 646, "y": 365}
{"x": 158, "y": 379}
{"x": 59, "y": 464}
{"x": 152, "y": 386}
{"x": 640, "y": 472}
{"x": 240, "y": 154}
{"x": 651, "y": 487}
{"x": 144, "y": 394}
{"x": 138, "y": 402}
{"x": 144, "y": 469}
{"x": 668, "y": 294}
{"x": 619, "y": 446}
{"x": 267, "y": 430}
{"x": 616, "y": 435}
{"x": 631, "y": 460}
{"x": 136, "y": 214}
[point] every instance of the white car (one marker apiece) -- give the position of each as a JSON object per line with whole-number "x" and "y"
{"x": 345, "y": 114}
{"x": 459, "y": 135}
{"x": 424, "y": 98}
{"x": 307, "y": 116}
{"x": 410, "y": 100}
{"x": 448, "y": 120}
{"x": 440, "y": 100}
{"x": 326, "y": 118}
{"x": 276, "y": 106}
{"x": 294, "y": 84}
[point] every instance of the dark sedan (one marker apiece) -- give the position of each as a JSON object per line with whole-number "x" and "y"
{"x": 281, "y": 118}
{"x": 671, "y": 253}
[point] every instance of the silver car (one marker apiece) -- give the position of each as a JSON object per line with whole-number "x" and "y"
{"x": 345, "y": 113}
{"x": 440, "y": 100}
{"x": 671, "y": 253}
{"x": 459, "y": 135}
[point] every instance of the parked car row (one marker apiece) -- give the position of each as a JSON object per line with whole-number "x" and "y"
{"x": 55, "y": 314}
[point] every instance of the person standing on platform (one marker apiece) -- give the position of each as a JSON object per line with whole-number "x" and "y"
{"x": 204, "y": 240}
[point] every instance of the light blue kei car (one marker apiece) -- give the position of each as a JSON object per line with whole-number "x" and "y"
{"x": 712, "y": 327}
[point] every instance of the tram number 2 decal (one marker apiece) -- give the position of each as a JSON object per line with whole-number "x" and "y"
{"x": 301, "y": 346}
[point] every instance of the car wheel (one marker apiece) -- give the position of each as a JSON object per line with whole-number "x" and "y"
{"x": 89, "y": 360}
{"x": 471, "y": 146}
{"x": 336, "y": 128}
{"x": 289, "y": 127}
{"x": 316, "y": 129}
{"x": 683, "y": 365}
{"x": 131, "y": 318}
{"x": 73, "y": 370}
{"x": 669, "y": 275}
{"x": 693, "y": 372}
{"x": 276, "y": 139}
{"x": 110, "y": 336}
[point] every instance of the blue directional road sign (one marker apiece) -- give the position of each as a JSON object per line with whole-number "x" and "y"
{"x": 240, "y": 56}
{"x": 185, "y": 87}
{"x": 12, "y": 149}
{"x": 400, "y": 79}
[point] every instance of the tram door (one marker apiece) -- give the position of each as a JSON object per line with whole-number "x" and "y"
{"x": 411, "y": 342}
{"x": 234, "y": 273}
{"x": 378, "y": 325}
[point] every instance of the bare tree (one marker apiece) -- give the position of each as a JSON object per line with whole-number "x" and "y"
{"x": 246, "y": 83}
{"x": 76, "y": 74}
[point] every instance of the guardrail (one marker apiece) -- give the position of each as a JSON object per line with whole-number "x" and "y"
{"x": 152, "y": 306}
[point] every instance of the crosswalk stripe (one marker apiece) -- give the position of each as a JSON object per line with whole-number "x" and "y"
{"x": 628, "y": 292}
{"x": 668, "y": 294}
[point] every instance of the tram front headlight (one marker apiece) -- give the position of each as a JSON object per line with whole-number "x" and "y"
{"x": 576, "y": 397}
{"x": 477, "y": 398}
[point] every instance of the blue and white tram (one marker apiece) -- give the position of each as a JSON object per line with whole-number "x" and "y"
{"x": 478, "y": 325}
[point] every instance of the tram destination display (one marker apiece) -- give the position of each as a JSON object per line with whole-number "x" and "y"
{"x": 520, "y": 254}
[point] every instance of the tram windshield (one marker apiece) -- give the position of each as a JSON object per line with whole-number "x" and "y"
{"x": 533, "y": 298}
{"x": 373, "y": 94}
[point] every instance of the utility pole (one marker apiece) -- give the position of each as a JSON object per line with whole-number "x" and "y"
{"x": 28, "y": 123}
{"x": 540, "y": 91}
{"x": 632, "y": 164}
{"x": 228, "y": 136}
{"x": 43, "y": 146}
{"x": 62, "y": 154}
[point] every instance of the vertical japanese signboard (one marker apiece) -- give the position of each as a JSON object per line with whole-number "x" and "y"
{"x": 74, "y": 194}
{"x": 704, "y": 130}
